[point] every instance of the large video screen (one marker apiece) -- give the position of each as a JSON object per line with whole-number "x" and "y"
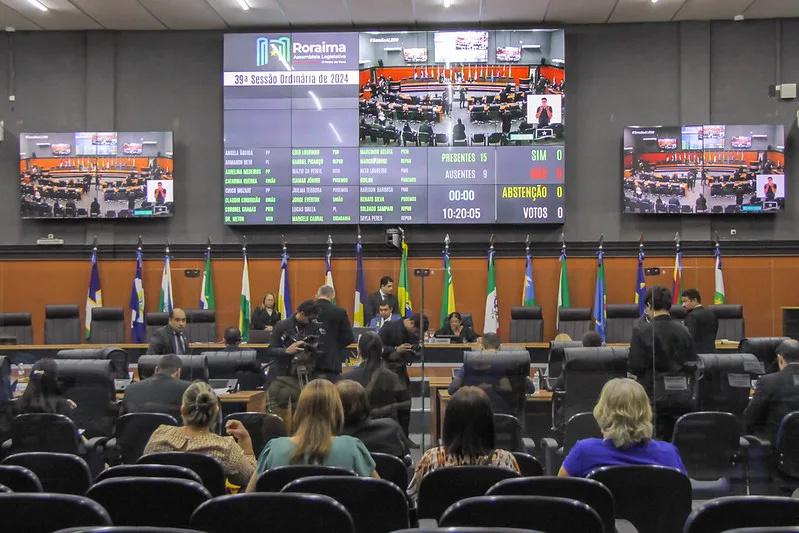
{"x": 345, "y": 128}
{"x": 461, "y": 46}
{"x": 96, "y": 175}
{"x": 704, "y": 169}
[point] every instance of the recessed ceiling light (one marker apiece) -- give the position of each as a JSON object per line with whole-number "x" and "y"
{"x": 654, "y": 1}
{"x": 447, "y": 3}
{"x": 244, "y": 5}
{"x": 38, "y": 5}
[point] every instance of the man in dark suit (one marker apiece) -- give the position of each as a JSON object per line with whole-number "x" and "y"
{"x": 170, "y": 338}
{"x": 668, "y": 344}
{"x": 776, "y": 394}
{"x": 336, "y": 334}
{"x": 399, "y": 338}
{"x": 701, "y": 322}
{"x": 459, "y": 131}
{"x": 385, "y": 294}
{"x": 232, "y": 340}
{"x": 288, "y": 338}
{"x": 160, "y": 393}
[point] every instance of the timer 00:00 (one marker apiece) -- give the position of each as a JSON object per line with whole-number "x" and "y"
{"x": 466, "y": 195}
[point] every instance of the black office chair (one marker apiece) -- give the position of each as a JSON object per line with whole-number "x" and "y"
{"x": 508, "y": 434}
{"x": 118, "y": 357}
{"x": 47, "y": 432}
{"x": 208, "y": 468}
{"x": 492, "y": 369}
{"x": 153, "y": 321}
{"x": 62, "y": 324}
{"x": 274, "y": 479}
{"x": 765, "y": 349}
{"x": 17, "y": 325}
{"x": 149, "y": 471}
{"x": 391, "y": 468}
{"x": 590, "y": 492}
{"x": 725, "y": 381}
{"x": 132, "y": 431}
{"x": 45, "y": 513}
{"x": 375, "y": 505}
{"x": 19, "y": 479}
{"x": 444, "y": 486}
{"x": 620, "y": 322}
{"x": 241, "y": 365}
{"x": 256, "y": 424}
{"x": 61, "y": 473}
{"x": 723, "y": 514}
{"x": 526, "y": 324}
{"x": 108, "y": 325}
{"x": 580, "y": 426}
{"x": 555, "y": 359}
{"x": 731, "y": 321}
{"x": 550, "y": 514}
{"x": 90, "y": 384}
{"x": 529, "y": 466}
{"x": 679, "y": 312}
{"x": 276, "y": 513}
{"x": 574, "y": 321}
{"x": 467, "y": 529}
{"x": 164, "y": 502}
{"x": 655, "y": 499}
{"x": 128, "y": 529}
{"x": 201, "y": 325}
{"x": 192, "y": 367}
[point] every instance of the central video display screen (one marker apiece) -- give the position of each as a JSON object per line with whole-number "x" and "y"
{"x": 452, "y": 127}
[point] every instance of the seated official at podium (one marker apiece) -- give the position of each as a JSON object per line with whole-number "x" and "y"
{"x": 384, "y": 314}
{"x": 456, "y": 328}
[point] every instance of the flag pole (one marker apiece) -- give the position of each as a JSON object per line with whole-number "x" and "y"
{"x": 527, "y": 245}
{"x": 94, "y": 245}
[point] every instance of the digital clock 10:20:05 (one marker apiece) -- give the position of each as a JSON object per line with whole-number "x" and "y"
{"x": 461, "y": 213}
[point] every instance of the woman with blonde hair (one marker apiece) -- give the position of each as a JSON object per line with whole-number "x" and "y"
{"x": 625, "y": 418}
{"x": 318, "y": 419}
{"x": 265, "y": 316}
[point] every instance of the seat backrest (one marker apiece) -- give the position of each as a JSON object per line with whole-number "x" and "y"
{"x": 507, "y": 432}
{"x": 133, "y": 430}
{"x": 208, "y": 468}
{"x": 787, "y": 445}
{"x": 17, "y": 325}
{"x": 44, "y": 432}
{"x": 725, "y": 381}
{"x": 526, "y": 324}
{"x": 529, "y": 466}
{"x": 62, "y": 324}
{"x": 679, "y": 312}
{"x": 391, "y": 468}
{"x": 588, "y": 491}
{"x": 117, "y": 356}
{"x": 492, "y": 367}
{"x": 242, "y": 365}
{"x": 764, "y": 348}
{"x": 578, "y": 427}
{"x": 45, "y": 513}
{"x": 444, "y": 486}
{"x": 276, "y": 513}
{"x": 375, "y": 505}
{"x": 90, "y": 384}
{"x": 585, "y": 372}
{"x": 19, "y": 479}
{"x": 151, "y": 471}
{"x": 708, "y": 443}
{"x": 550, "y": 514}
{"x": 192, "y": 367}
{"x": 108, "y": 326}
{"x": 620, "y": 322}
{"x": 140, "y": 501}
{"x": 655, "y": 499}
{"x": 201, "y": 325}
{"x": 62, "y": 473}
{"x": 731, "y": 321}
{"x": 153, "y": 321}
{"x": 723, "y": 514}
{"x": 555, "y": 359}
{"x": 256, "y": 423}
{"x": 574, "y": 321}
{"x": 466, "y": 320}
{"x": 274, "y": 479}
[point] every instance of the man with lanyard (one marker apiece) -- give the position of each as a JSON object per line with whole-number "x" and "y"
{"x": 288, "y": 338}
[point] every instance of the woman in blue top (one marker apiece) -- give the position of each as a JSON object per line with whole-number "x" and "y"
{"x": 625, "y": 417}
{"x": 319, "y": 417}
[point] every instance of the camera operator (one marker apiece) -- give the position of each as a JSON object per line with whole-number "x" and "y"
{"x": 335, "y": 336}
{"x": 288, "y": 338}
{"x": 400, "y": 348}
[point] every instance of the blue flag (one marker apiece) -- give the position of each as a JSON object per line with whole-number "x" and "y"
{"x": 137, "y": 304}
{"x": 95, "y": 296}
{"x": 600, "y": 308}
{"x": 359, "y": 310}
{"x": 283, "y": 293}
{"x": 640, "y": 285}
{"x": 528, "y": 298}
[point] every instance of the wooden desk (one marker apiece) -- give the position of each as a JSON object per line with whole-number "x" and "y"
{"x": 254, "y": 399}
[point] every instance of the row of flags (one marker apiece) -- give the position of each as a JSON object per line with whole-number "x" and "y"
{"x": 405, "y": 306}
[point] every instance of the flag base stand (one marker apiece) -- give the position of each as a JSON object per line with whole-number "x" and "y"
{"x": 422, "y": 273}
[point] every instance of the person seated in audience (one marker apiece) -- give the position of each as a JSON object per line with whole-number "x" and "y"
{"x": 43, "y": 395}
{"x": 491, "y": 379}
{"x": 232, "y": 340}
{"x": 701, "y": 203}
{"x": 427, "y": 128}
{"x": 160, "y": 393}
{"x": 456, "y": 327}
{"x": 387, "y": 395}
{"x": 200, "y": 410}
{"x": 459, "y": 131}
{"x": 625, "y": 418}
{"x": 469, "y": 438}
{"x": 384, "y": 314}
{"x": 776, "y": 394}
{"x": 265, "y": 315}
{"x": 317, "y": 437}
{"x": 379, "y": 435}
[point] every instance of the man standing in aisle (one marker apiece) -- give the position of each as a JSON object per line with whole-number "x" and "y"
{"x": 335, "y": 335}
{"x": 385, "y": 294}
{"x": 170, "y": 338}
{"x": 701, "y": 322}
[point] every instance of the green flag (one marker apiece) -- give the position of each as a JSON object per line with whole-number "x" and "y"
{"x": 207, "y": 294}
{"x": 404, "y": 306}
{"x": 492, "y": 308}
{"x": 244, "y": 308}
{"x": 564, "y": 300}
{"x": 448, "y": 298}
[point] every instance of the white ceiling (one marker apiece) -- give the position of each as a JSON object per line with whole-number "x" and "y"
{"x": 227, "y": 14}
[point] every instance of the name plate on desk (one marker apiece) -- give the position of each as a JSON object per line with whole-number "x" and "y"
{"x": 436, "y": 340}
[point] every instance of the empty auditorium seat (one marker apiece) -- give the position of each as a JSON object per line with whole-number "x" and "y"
{"x": 765, "y": 349}
{"x": 17, "y": 325}
{"x": 153, "y": 321}
{"x": 574, "y": 321}
{"x": 117, "y": 356}
{"x": 45, "y": 513}
{"x": 108, "y": 326}
{"x": 62, "y": 324}
{"x": 731, "y": 321}
{"x": 201, "y": 325}
{"x": 241, "y": 365}
{"x": 192, "y": 367}
{"x": 620, "y": 322}
{"x": 526, "y": 324}
{"x": 90, "y": 384}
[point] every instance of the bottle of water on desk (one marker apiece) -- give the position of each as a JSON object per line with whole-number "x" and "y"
{"x": 537, "y": 380}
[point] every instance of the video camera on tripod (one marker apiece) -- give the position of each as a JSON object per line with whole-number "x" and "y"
{"x": 303, "y": 363}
